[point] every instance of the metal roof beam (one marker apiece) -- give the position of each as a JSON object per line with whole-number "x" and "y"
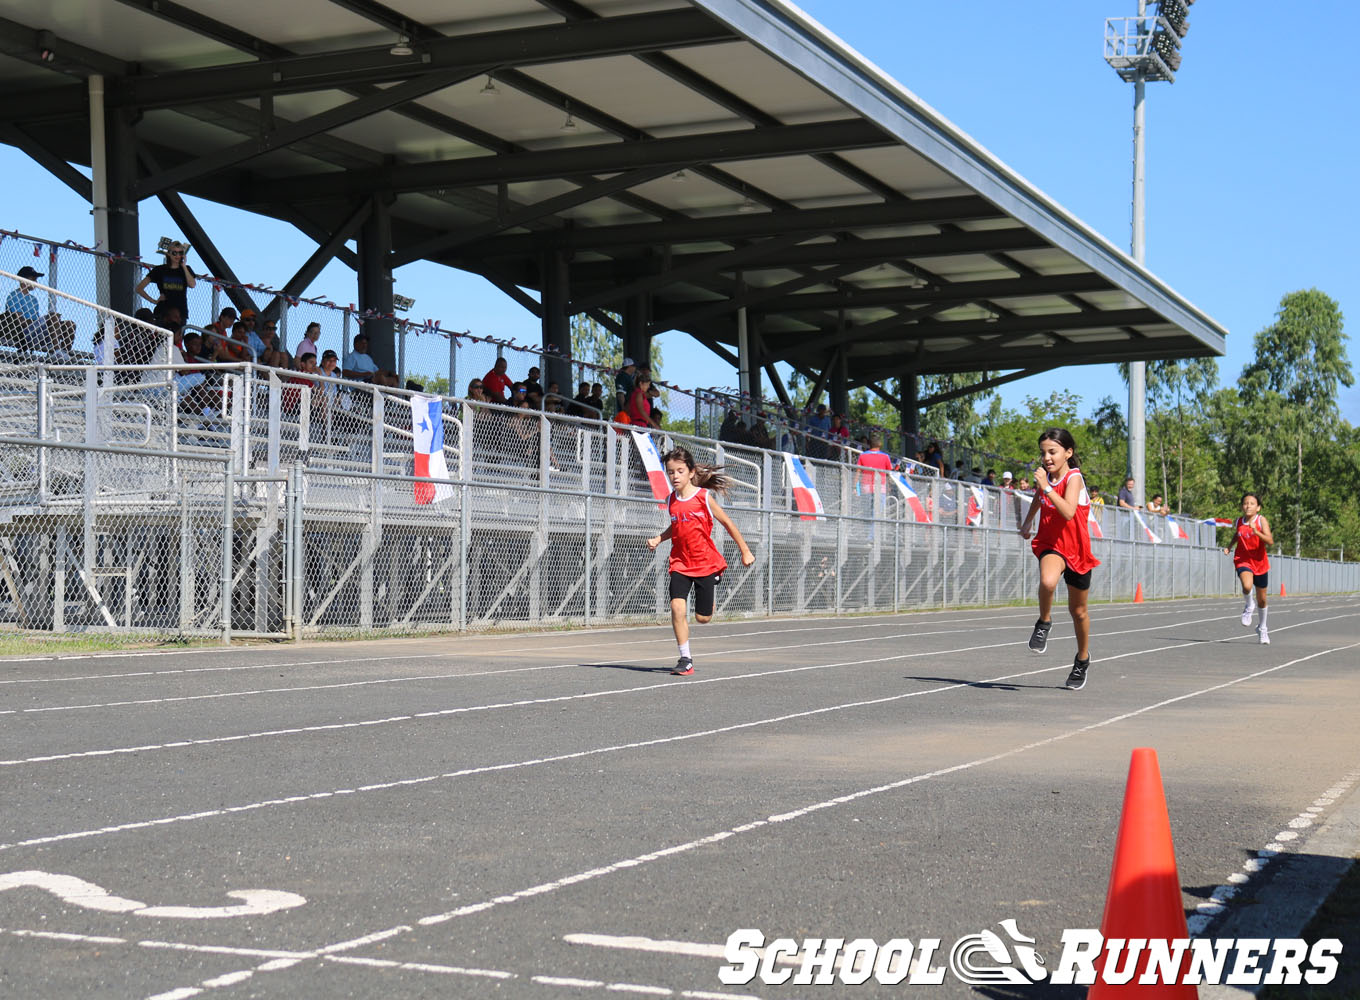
{"x": 932, "y": 211}
{"x": 753, "y": 296}
{"x": 305, "y": 128}
{"x": 55, "y": 165}
{"x": 623, "y": 35}
{"x": 572, "y": 161}
{"x": 741, "y": 257}
{"x": 984, "y": 385}
{"x": 528, "y": 213}
{"x": 952, "y": 293}
{"x": 41, "y": 47}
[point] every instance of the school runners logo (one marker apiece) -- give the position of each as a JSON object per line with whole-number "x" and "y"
{"x": 963, "y": 958}
{"x": 988, "y": 958}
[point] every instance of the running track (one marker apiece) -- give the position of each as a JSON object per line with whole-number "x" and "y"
{"x": 554, "y": 815}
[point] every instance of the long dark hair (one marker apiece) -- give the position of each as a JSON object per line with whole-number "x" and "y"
{"x": 706, "y": 477}
{"x": 1064, "y": 439}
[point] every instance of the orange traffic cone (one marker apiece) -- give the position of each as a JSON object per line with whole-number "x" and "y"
{"x": 1144, "y": 898}
{"x": 1138, "y": 594}
{"x": 1281, "y": 588}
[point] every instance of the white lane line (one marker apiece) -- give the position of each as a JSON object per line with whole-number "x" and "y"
{"x": 524, "y": 702}
{"x": 551, "y": 666}
{"x": 595, "y": 751}
{"x": 77, "y": 892}
{"x": 717, "y": 631}
{"x": 674, "y": 850}
{"x": 694, "y": 949}
{"x": 1219, "y": 898}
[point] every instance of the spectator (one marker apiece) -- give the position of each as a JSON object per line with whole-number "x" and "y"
{"x": 21, "y": 325}
{"x": 760, "y": 435}
{"x": 597, "y": 399}
{"x": 989, "y": 479}
{"x": 960, "y": 471}
{"x": 306, "y": 366}
{"x": 839, "y": 435}
{"x": 223, "y": 325}
{"x": 257, "y": 343}
{"x": 495, "y": 383}
{"x": 1156, "y": 505}
{"x": 819, "y": 432}
{"x": 1022, "y": 485}
{"x": 269, "y": 333}
{"x": 554, "y": 390}
{"x": 1127, "y": 496}
{"x": 639, "y": 404}
{"x": 532, "y": 381}
{"x": 518, "y": 392}
{"x": 623, "y": 384}
{"x": 935, "y": 457}
{"x": 1007, "y": 480}
{"x": 173, "y": 279}
{"x": 875, "y": 465}
{"x": 360, "y": 366}
{"x": 581, "y": 402}
{"x": 192, "y": 348}
{"x": 1097, "y": 499}
{"x": 236, "y": 348}
{"x": 732, "y": 430}
{"x": 975, "y": 477}
{"x": 330, "y": 367}
{"x": 307, "y": 345}
{"x": 476, "y": 392}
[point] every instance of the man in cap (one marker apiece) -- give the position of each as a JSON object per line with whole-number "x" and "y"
{"x": 623, "y": 384}
{"x": 21, "y": 324}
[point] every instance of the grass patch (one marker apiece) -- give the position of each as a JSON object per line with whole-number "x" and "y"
{"x": 1338, "y": 917}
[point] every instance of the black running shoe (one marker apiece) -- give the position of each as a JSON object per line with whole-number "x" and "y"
{"x": 683, "y": 667}
{"x": 1038, "y": 640}
{"x": 1076, "y": 680}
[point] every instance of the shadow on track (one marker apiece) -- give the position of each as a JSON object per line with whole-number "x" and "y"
{"x": 987, "y": 685}
{"x": 627, "y": 666}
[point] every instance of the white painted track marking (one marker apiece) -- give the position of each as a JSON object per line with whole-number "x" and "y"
{"x": 527, "y": 702}
{"x": 674, "y": 850}
{"x": 595, "y": 751}
{"x": 78, "y": 892}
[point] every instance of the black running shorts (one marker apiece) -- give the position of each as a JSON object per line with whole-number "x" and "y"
{"x": 1258, "y": 580}
{"x": 705, "y": 590}
{"x": 1077, "y": 581}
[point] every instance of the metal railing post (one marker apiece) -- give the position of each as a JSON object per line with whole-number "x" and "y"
{"x": 228, "y": 524}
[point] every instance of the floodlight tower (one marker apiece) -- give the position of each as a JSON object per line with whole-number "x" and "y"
{"x": 1143, "y": 49}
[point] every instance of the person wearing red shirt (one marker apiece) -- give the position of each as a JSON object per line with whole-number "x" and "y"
{"x": 496, "y": 384}
{"x": 1062, "y": 543}
{"x": 695, "y": 561}
{"x": 873, "y": 478}
{"x": 1251, "y": 561}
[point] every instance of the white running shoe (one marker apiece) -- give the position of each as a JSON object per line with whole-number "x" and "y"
{"x": 1263, "y": 635}
{"x": 1246, "y": 615}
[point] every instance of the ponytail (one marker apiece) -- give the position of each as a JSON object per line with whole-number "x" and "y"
{"x": 1064, "y": 439}
{"x": 707, "y": 477}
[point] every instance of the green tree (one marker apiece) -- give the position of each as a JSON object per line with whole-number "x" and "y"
{"x": 1299, "y": 366}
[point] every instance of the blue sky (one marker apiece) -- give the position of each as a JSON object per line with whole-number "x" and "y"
{"x": 1251, "y": 162}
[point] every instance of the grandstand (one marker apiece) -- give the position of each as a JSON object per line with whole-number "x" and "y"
{"x": 129, "y": 506}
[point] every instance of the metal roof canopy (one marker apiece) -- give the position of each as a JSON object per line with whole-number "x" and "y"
{"x": 672, "y": 161}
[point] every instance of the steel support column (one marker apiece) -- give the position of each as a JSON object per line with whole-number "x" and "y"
{"x": 637, "y": 338}
{"x": 908, "y": 393}
{"x": 840, "y": 384}
{"x": 556, "y": 287}
{"x": 120, "y": 164}
{"x": 375, "y": 283}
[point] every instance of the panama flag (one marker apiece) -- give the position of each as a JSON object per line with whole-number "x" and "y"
{"x": 1219, "y": 522}
{"x": 1177, "y": 532}
{"x": 427, "y": 439}
{"x": 913, "y": 501}
{"x": 651, "y": 461}
{"x": 805, "y": 495}
{"x": 1151, "y": 535}
{"x": 976, "y": 505}
{"x": 1094, "y": 523}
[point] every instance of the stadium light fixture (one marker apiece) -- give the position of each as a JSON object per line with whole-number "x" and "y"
{"x": 402, "y": 48}
{"x": 1142, "y": 50}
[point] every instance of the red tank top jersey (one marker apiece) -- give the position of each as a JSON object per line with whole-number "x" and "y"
{"x": 1070, "y": 539}
{"x": 692, "y": 550}
{"x": 1251, "y": 547}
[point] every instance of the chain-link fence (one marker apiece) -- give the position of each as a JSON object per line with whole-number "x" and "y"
{"x": 111, "y": 539}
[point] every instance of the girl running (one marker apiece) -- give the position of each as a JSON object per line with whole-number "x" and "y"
{"x": 1251, "y": 561}
{"x": 695, "y": 561}
{"x": 1062, "y": 543}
